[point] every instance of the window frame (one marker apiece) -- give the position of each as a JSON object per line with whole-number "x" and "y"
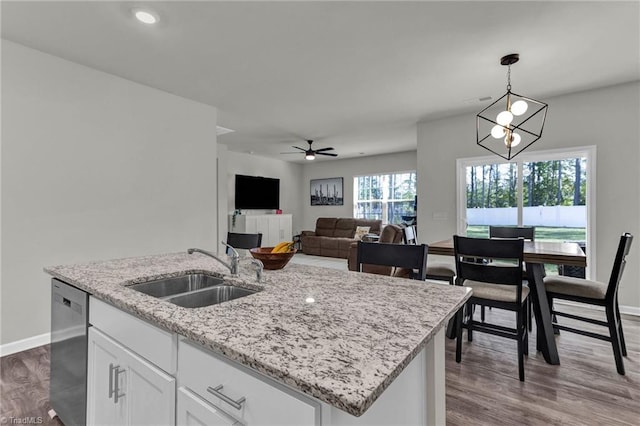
{"x": 534, "y": 156}
{"x": 383, "y": 201}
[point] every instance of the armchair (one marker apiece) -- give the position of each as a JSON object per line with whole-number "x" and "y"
{"x": 391, "y": 234}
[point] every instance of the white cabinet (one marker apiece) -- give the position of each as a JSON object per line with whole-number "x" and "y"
{"x": 103, "y": 358}
{"x": 124, "y": 388}
{"x": 273, "y": 227}
{"x": 194, "y": 411}
{"x": 242, "y": 393}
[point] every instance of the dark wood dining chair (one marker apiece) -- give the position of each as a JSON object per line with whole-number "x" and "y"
{"x": 439, "y": 271}
{"x": 595, "y": 293}
{"x": 410, "y": 257}
{"x": 493, "y": 269}
{"x": 526, "y": 232}
{"x": 529, "y": 234}
{"x": 243, "y": 241}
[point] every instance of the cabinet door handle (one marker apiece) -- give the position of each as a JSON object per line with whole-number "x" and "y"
{"x": 111, "y": 368}
{"x": 116, "y": 390}
{"x": 235, "y": 404}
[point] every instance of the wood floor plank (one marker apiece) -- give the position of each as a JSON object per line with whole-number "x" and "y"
{"x": 585, "y": 389}
{"x": 24, "y": 387}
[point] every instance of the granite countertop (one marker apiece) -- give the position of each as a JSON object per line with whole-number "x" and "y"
{"x": 345, "y": 348}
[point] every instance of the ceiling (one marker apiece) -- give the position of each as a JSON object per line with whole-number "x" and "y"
{"x": 357, "y": 76}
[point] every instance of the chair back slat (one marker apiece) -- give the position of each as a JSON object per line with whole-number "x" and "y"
{"x": 618, "y": 265}
{"x": 492, "y": 272}
{"x": 398, "y": 255}
{"x": 526, "y": 232}
{"x": 491, "y": 261}
{"x": 244, "y": 241}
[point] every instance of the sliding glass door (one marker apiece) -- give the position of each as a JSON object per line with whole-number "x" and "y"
{"x": 551, "y": 190}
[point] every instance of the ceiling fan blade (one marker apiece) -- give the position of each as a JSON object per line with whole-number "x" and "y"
{"x": 327, "y": 153}
{"x": 290, "y": 152}
{"x": 301, "y": 149}
{"x": 324, "y": 149}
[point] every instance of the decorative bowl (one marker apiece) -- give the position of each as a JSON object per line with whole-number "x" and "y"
{"x": 270, "y": 260}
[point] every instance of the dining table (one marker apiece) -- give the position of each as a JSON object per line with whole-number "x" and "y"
{"x": 536, "y": 255}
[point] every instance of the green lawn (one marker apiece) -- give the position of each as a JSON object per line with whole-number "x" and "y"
{"x": 543, "y": 233}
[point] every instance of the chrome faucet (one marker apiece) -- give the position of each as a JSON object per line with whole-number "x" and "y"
{"x": 235, "y": 258}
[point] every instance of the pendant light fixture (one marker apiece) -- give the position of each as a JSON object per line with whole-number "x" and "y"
{"x": 512, "y": 123}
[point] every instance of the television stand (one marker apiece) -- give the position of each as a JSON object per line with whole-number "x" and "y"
{"x": 273, "y": 227}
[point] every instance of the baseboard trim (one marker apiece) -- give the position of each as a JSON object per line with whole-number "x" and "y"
{"x": 624, "y": 309}
{"x": 25, "y": 344}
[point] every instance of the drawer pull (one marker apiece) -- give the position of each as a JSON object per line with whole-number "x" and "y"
{"x": 216, "y": 392}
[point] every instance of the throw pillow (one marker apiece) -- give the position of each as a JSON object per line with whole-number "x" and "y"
{"x": 361, "y": 231}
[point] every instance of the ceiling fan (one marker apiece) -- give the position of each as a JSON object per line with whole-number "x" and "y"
{"x": 310, "y": 153}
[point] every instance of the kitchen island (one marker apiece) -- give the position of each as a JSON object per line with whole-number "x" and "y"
{"x": 337, "y": 337}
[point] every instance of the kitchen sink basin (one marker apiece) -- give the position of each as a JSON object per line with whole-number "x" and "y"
{"x": 177, "y": 285}
{"x": 192, "y": 290}
{"x": 210, "y": 296}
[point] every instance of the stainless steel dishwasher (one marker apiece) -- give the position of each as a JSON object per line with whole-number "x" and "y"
{"x": 69, "y": 322}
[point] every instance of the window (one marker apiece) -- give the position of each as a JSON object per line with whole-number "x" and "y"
{"x": 389, "y": 197}
{"x": 551, "y": 190}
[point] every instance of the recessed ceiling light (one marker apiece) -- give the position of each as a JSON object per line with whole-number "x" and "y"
{"x": 145, "y": 16}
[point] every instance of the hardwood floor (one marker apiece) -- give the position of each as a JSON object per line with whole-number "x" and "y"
{"x": 584, "y": 390}
{"x": 24, "y": 388}
{"x": 482, "y": 390}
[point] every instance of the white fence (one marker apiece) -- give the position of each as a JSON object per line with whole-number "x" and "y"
{"x": 556, "y": 216}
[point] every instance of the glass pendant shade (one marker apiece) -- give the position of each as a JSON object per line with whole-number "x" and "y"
{"x": 504, "y": 118}
{"x": 512, "y": 140}
{"x": 498, "y": 131}
{"x": 519, "y": 107}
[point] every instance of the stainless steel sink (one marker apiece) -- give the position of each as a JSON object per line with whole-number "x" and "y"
{"x": 210, "y": 296}
{"x": 192, "y": 291}
{"x": 172, "y": 286}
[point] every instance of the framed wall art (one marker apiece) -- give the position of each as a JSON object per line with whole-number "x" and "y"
{"x": 327, "y": 192}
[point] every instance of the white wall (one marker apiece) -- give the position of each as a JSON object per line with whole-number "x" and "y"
{"x": 607, "y": 118}
{"x": 94, "y": 167}
{"x": 223, "y": 196}
{"x": 348, "y": 169}
{"x": 290, "y": 175}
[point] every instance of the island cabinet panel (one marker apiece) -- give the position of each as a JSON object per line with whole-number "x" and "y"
{"x": 403, "y": 403}
{"x": 242, "y": 393}
{"x": 151, "y": 342}
{"x": 273, "y": 227}
{"x": 102, "y": 358}
{"x": 194, "y": 411}
{"x": 124, "y": 388}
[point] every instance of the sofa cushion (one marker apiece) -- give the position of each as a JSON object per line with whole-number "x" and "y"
{"x": 326, "y": 226}
{"x": 310, "y": 241}
{"x": 345, "y": 228}
{"x": 329, "y": 243}
{"x": 373, "y": 224}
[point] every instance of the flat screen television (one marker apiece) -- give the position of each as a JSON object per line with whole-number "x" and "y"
{"x": 255, "y": 192}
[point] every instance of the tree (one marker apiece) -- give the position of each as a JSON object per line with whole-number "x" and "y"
{"x": 577, "y": 186}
